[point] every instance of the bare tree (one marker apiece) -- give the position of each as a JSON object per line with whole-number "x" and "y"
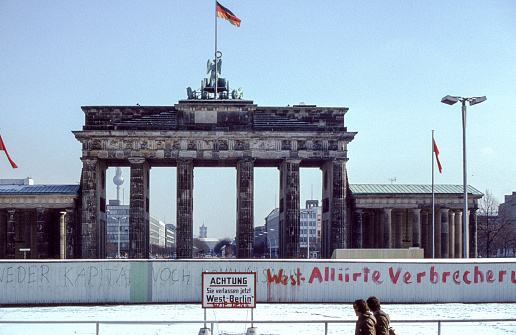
{"x": 200, "y": 247}
{"x": 490, "y": 229}
{"x": 507, "y": 238}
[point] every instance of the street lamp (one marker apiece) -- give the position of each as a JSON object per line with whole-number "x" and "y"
{"x": 118, "y": 218}
{"x": 269, "y": 240}
{"x": 451, "y": 100}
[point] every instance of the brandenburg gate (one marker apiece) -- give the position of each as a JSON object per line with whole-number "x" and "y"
{"x": 214, "y": 130}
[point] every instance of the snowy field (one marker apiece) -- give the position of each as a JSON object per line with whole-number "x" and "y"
{"x": 262, "y": 312}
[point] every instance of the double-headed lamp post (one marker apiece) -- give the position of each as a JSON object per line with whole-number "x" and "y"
{"x": 118, "y": 218}
{"x": 451, "y": 100}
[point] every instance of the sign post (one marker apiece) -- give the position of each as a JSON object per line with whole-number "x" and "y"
{"x": 229, "y": 290}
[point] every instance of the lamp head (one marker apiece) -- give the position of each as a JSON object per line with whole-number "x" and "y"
{"x": 477, "y": 100}
{"x": 450, "y": 100}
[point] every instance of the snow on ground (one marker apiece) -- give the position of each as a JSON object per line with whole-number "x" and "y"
{"x": 283, "y": 312}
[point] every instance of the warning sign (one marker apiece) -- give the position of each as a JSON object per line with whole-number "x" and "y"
{"x": 228, "y": 290}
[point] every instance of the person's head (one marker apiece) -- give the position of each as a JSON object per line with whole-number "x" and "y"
{"x": 373, "y": 303}
{"x": 360, "y": 306}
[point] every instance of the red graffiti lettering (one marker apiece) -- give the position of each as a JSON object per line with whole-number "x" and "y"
{"x": 295, "y": 279}
{"x": 489, "y": 276}
{"x": 394, "y": 277}
{"x": 445, "y": 275}
{"x": 465, "y": 277}
{"x": 456, "y": 276}
{"x": 500, "y": 275}
{"x": 376, "y": 277}
{"x": 316, "y": 274}
{"x": 477, "y": 275}
{"x": 434, "y": 276}
{"x": 280, "y": 278}
{"x": 420, "y": 275}
{"x": 406, "y": 278}
{"x": 513, "y": 276}
{"x": 366, "y": 271}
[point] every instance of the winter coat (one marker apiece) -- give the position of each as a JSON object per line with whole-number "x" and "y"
{"x": 382, "y": 322}
{"x": 365, "y": 324}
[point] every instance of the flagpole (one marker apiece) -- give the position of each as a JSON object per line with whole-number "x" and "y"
{"x": 216, "y": 74}
{"x": 433, "y": 199}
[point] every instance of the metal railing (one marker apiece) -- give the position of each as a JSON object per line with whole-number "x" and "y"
{"x": 326, "y": 323}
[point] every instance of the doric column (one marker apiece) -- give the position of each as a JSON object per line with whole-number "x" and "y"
{"x": 426, "y": 234}
{"x": 334, "y": 207}
{"x": 93, "y": 208}
{"x": 398, "y": 224}
{"x": 358, "y": 228}
{"x": 71, "y": 234}
{"x": 451, "y": 226}
{"x": 245, "y": 211}
{"x": 416, "y": 227}
{"x": 386, "y": 228}
{"x": 473, "y": 252}
{"x": 289, "y": 209}
{"x": 184, "y": 216}
{"x": 62, "y": 235}
{"x": 41, "y": 234}
{"x": 458, "y": 234}
{"x": 445, "y": 234}
{"x": 139, "y": 209}
{"x": 437, "y": 233}
{"x": 11, "y": 234}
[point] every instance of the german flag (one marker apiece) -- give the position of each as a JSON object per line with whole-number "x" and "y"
{"x": 225, "y": 13}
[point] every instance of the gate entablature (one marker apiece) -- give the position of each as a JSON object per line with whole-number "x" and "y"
{"x": 227, "y": 132}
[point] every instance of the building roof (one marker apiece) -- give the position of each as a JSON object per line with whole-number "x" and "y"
{"x": 39, "y": 189}
{"x": 410, "y": 189}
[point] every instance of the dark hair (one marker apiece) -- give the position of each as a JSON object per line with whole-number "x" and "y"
{"x": 360, "y": 305}
{"x": 373, "y": 303}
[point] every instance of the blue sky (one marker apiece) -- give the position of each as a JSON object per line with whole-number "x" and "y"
{"x": 390, "y": 62}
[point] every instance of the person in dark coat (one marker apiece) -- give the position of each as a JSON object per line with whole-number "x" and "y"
{"x": 366, "y": 322}
{"x": 382, "y": 318}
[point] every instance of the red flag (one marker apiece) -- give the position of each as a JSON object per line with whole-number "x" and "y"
{"x": 437, "y": 157}
{"x": 2, "y": 148}
{"x": 225, "y": 13}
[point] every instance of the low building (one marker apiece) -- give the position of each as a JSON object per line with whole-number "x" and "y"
{"x": 39, "y": 221}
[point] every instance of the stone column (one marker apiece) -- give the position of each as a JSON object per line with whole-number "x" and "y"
{"x": 445, "y": 234}
{"x": 386, "y": 228}
{"x": 473, "y": 251}
{"x": 416, "y": 227}
{"x": 245, "y": 208}
{"x": 139, "y": 209}
{"x": 334, "y": 207}
{"x": 184, "y": 215}
{"x": 71, "y": 234}
{"x": 437, "y": 233}
{"x": 358, "y": 228}
{"x": 398, "y": 225}
{"x": 451, "y": 226}
{"x": 93, "y": 208}
{"x": 426, "y": 235}
{"x": 62, "y": 235}
{"x": 289, "y": 209}
{"x": 41, "y": 234}
{"x": 11, "y": 234}
{"x": 458, "y": 234}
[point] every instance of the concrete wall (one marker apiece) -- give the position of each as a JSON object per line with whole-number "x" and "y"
{"x": 170, "y": 281}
